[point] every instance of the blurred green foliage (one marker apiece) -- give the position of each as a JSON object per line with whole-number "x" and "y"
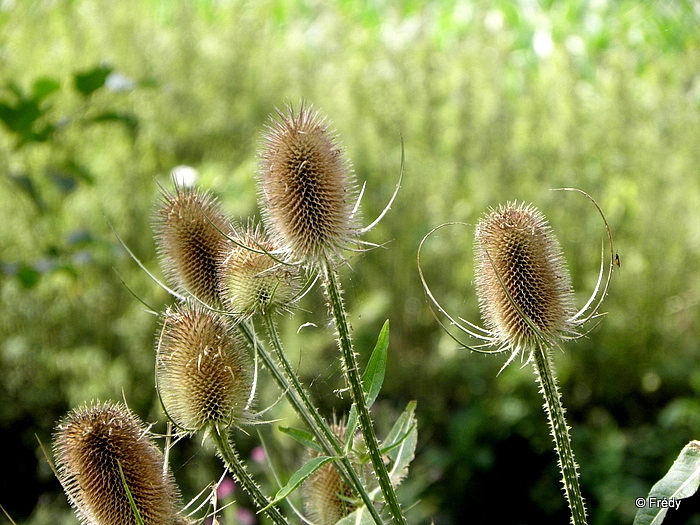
{"x": 494, "y": 101}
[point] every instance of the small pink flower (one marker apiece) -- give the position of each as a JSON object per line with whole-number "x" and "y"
{"x": 225, "y": 488}
{"x": 258, "y": 454}
{"x": 245, "y": 516}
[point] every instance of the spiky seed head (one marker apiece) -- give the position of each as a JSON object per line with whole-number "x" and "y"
{"x": 517, "y": 254}
{"x": 202, "y": 369}
{"x": 327, "y": 498}
{"x": 188, "y": 228}
{"x": 90, "y": 444}
{"x": 252, "y": 278}
{"x": 306, "y": 186}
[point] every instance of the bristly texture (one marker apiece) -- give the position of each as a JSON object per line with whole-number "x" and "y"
{"x": 251, "y": 279}
{"x": 327, "y": 498}
{"x": 188, "y": 226}
{"x": 307, "y": 187}
{"x": 90, "y": 444}
{"x": 517, "y": 254}
{"x": 202, "y": 369}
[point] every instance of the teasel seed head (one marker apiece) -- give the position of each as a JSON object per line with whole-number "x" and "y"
{"x": 188, "y": 228}
{"x": 252, "y": 277}
{"x": 202, "y": 369}
{"x": 90, "y": 445}
{"x": 306, "y": 186}
{"x": 517, "y": 254}
{"x": 327, "y": 497}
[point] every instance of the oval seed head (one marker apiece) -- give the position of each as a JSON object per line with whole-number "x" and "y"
{"x": 517, "y": 254}
{"x": 327, "y": 498}
{"x": 202, "y": 369}
{"x": 188, "y": 228}
{"x": 307, "y": 187}
{"x": 90, "y": 444}
{"x": 251, "y": 280}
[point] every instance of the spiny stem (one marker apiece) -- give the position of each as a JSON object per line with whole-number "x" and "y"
{"x": 306, "y": 410}
{"x": 235, "y": 465}
{"x": 334, "y": 295}
{"x": 546, "y": 376}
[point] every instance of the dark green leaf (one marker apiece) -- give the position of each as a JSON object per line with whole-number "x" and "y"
{"x": 43, "y": 87}
{"x": 681, "y": 481}
{"x": 87, "y": 82}
{"x": 27, "y": 276}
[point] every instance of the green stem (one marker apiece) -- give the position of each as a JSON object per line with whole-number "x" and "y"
{"x": 306, "y": 410}
{"x": 237, "y": 468}
{"x": 546, "y": 376}
{"x": 334, "y": 294}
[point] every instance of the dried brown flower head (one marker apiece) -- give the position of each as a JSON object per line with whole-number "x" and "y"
{"x": 522, "y": 281}
{"x": 251, "y": 279}
{"x": 202, "y": 369}
{"x": 188, "y": 228}
{"x": 327, "y": 498}
{"x": 90, "y": 444}
{"x": 307, "y": 187}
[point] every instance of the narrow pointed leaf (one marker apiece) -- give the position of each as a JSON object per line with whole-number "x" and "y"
{"x": 351, "y": 428}
{"x": 681, "y": 481}
{"x": 299, "y": 477}
{"x": 132, "y": 503}
{"x": 373, "y": 378}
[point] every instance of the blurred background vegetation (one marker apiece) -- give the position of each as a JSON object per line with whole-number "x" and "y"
{"x": 494, "y": 100}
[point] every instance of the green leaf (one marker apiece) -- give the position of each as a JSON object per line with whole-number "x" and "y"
{"x": 87, "y": 82}
{"x": 372, "y": 380}
{"x": 359, "y": 517}
{"x": 43, "y": 87}
{"x": 303, "y": 437}
{"x": 400, "y": 444}
{"x": 132, "y": 503}
{"x": 299, "y": 477}
{"x": 681, "y": 481}
{"x": 351, "y": 428}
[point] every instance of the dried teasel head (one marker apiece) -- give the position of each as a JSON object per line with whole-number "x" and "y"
{"x": 91, "y": 444}
{"x": 252, "y": 278}
{"x": 188, "y": 226}
{"x": 327, "y": 497}
{"x": 202, "y": 370}
{"x": 522, "y": 280}
{"x": 307, "y": 187}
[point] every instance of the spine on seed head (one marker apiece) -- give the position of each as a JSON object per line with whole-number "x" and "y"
{"x": 202, "y": 369}
{"x": 521, "y": 271}
{"x": 91, "y": 445}
{"x": 306, "y": 186}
